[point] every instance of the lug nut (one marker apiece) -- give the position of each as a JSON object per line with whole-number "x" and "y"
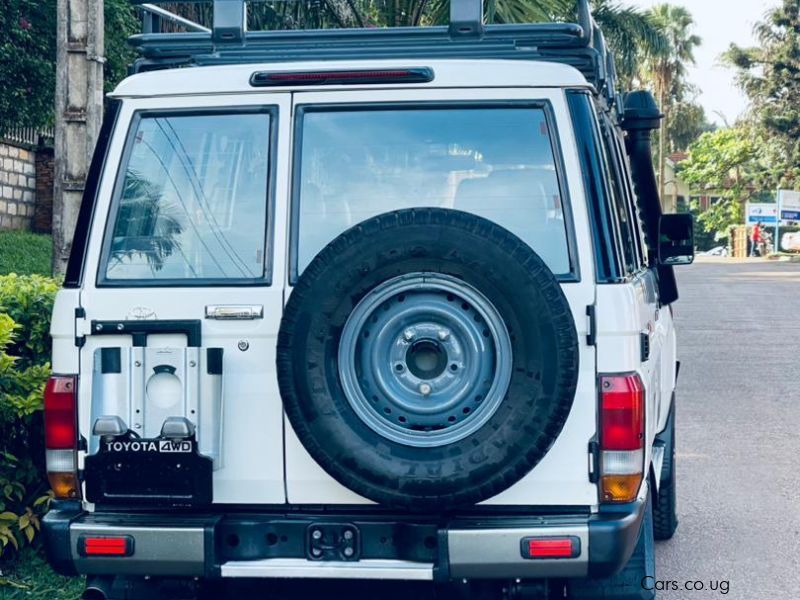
{"x": 316, "y": 552}
{"x": 348, "y": 552}
{"x": 316, "y": 534}
{"x": 443, "y": 334}
{"x": 425, "y": 389}
{"x": 408, "y": 335}
{"x": 348, "y": 535}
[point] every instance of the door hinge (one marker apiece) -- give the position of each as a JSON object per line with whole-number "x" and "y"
{"x": 591, "y": 314}
{"x": 644, "y": 345}
{"x": 81, "y": 327}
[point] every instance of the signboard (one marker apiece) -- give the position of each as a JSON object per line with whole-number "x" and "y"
{"x": 762, "y": 213}
{"x": 789, "y": 202}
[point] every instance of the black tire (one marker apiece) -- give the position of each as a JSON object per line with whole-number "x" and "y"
{"x": 665, "y": 510}
{"x": 632, "y": 582}
{"x": 543, "y": 340}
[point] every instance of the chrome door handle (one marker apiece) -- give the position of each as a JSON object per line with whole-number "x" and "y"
{"x": 235, "y": 312}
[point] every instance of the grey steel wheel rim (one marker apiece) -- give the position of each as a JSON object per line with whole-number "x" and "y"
{"x": 425, "y": 360}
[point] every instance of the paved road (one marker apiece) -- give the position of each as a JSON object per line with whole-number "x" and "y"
{"x": 738, "y": 432}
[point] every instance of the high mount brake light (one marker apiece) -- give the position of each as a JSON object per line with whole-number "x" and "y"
{"x": 356, "y": 77}
{"x": 61, "y": 435}
{"x": 622, "y": 437}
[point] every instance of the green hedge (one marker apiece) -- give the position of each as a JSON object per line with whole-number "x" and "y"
{"x": 26, "y": 302}
{"x": 25, "y": 253}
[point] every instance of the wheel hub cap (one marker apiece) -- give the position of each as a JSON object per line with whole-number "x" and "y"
{"x": 425, "y": 360}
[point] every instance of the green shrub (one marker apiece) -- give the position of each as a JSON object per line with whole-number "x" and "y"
{"x": 25, "y": 306}
{"x": 25, "y": 253}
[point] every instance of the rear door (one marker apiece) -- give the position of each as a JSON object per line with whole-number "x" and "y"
{"x": 358, "y": 154}
{"x": 181, "y": 255}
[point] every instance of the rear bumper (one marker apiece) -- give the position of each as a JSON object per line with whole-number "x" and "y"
{"x": 385, "y": 546}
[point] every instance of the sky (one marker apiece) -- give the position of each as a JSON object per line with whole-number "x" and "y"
{"x": 719, "y": 23}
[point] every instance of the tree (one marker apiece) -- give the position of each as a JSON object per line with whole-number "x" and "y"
{"x": 770, "y": 76}
{"x": 633, "y": 35}
{"x": 121, "y": 23}
{"x": 727, "y": 162}
{"x": 667, "y": 69}
{"x": 688, "y": 123}
{"x": 27, "y": 62}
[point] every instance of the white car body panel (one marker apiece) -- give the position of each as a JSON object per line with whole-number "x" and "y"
{"x": 235, "y": 79}
{"x": 265, "y": 463}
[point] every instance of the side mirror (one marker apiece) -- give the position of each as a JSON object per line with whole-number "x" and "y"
{"x": 676, "y": 240}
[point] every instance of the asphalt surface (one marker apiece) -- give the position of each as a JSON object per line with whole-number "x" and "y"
{"x": 738, "y": 436}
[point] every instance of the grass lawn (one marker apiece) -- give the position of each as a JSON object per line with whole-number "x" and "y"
{"x": 30, "y": 578}
{"x": 25, "y": 253}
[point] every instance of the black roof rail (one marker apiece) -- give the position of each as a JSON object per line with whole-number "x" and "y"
{"x": 580, "y": 45}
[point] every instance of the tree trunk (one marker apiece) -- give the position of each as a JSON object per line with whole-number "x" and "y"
{"x": 79, "y": 114}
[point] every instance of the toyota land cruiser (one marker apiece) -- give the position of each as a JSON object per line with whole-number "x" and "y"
{"x": 379, "y": 304}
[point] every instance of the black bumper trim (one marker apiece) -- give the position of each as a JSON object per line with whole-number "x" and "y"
{"x": 612, "y": 534}
{"x": 55, "y": 528}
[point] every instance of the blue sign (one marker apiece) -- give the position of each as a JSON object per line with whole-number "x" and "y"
{"x": 790, "y": 215}
{"x": 766, "y": 220}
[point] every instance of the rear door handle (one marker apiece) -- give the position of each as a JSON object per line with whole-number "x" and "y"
{"x": 235, "y": 312}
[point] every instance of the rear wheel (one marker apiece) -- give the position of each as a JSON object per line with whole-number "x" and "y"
{"x": 665, "y": 513}
{"x": 633, "y": 581}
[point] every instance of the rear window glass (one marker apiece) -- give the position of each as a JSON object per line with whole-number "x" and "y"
{"x": 498, "y": 163}
{"x": 193, "y": 202}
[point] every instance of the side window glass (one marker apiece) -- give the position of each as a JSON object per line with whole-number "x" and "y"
{"x": 620, "y": 206}
{"x": 633, "y": 208}
{"x": 193, "y": 203}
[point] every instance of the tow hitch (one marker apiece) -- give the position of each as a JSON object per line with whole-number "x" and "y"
{"x": 333, "y": 541}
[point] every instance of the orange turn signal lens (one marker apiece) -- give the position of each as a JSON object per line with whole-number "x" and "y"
{"x": 65, "y": 486}
{"x": 620, "y": 488}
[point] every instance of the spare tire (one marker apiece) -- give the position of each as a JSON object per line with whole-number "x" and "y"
{"x": 427, "y": 358}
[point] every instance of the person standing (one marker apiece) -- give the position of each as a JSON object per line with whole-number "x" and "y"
{"x": 755, "y": 239}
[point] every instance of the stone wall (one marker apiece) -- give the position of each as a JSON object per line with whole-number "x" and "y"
{"x": 17, "y": 187}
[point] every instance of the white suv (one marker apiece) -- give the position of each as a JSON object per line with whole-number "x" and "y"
{"x": 376, "y": 304}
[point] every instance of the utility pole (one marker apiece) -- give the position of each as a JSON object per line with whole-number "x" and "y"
{"x": 79, "y": 113}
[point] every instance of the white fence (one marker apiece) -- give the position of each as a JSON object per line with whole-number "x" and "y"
{"x": 27, "y": 136}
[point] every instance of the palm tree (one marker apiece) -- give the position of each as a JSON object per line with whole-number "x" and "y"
{"x": 667, "y": 69}
{"x": 633, "y": 35}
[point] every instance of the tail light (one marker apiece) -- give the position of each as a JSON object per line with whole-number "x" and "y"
{"x": 622, "y": 413}
{"x": 551, "y": 548}
{"x": 105, "y": 546}
{"x": 61, "y": 435}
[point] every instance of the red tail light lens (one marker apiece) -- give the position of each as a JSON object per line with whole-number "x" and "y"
{"x": 622, "y": 413}
{"x": 60, "y": 416}
{"x": 551, "y": 548}
{"x": 106, "y": 546}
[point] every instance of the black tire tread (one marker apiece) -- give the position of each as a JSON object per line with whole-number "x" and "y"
{"x": 665, "y": 510}
{"x": 434, "y": 220}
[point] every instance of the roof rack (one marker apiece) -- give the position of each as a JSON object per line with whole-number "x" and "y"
{"x": 228, "y": 41}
